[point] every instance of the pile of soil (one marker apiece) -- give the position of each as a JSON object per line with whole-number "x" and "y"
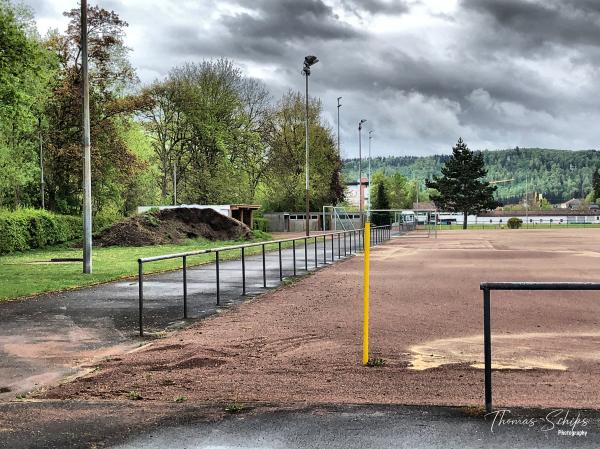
{"x": 172, "y": 226}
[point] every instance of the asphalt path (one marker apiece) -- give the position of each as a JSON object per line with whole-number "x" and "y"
{"x": 50, "y": 337}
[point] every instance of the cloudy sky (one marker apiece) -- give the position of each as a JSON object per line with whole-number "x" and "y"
{"x": 499, "y": 73}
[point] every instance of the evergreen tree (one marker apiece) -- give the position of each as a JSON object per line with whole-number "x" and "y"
{"x": 380, "y": 200}
{"x": 596, "y": 184}
{"x": 460, "y": 189}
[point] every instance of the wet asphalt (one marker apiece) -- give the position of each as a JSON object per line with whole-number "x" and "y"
{"x": 50, "y": 337}
{"x": 74, "y": 425}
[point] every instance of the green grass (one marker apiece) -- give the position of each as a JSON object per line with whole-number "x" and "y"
{"x": 30, "y": 272}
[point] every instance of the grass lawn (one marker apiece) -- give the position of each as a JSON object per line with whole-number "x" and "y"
{"x": 31, "y": 272}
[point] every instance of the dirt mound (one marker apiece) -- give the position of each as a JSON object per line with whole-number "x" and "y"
{"x": 172, "y": 226}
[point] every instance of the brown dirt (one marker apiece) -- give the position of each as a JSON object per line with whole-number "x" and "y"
{"x": 172, "y": 226}
{"x": 303, "y": 343}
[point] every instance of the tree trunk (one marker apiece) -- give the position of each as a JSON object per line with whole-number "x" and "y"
{"x": 465, "y": 220}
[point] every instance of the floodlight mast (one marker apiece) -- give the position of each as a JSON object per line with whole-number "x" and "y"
{"x": 360, "y": 191}
{"x": 339, "y": 105}
{"x": 308, "y": 62}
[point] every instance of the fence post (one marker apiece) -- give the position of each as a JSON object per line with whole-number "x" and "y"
{"x": 264, "y": 267}
{"x": 294, "y": 253}
{"x": 316, "y": 255}
{"x": 218, "y": 278}
{"x": 243, "y": 273}
{"x": 305, "y": 254}
{"x": 324, "y": 250}
{"x": 345, "y": 232}
{"x": 339, "y": 247}
{"x": 185, "y": 315}
{"x": 487, "y": 348}
{"x": 280, "y": 264}
{"x": 141, "y": 295}
{"x": 332, "y": 249}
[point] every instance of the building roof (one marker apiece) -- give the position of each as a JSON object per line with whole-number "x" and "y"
{"x": 424, "y": 205}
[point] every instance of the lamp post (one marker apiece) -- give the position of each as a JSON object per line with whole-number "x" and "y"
{"x": 86, "y": 144}
{"x": 360, "y": 191}
{"x": 338, "y": 125}
{"x": 369, "y": 176}
{"x": 308, "y": 62}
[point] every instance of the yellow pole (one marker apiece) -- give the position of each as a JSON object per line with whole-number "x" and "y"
{"x": 367, "y": 243}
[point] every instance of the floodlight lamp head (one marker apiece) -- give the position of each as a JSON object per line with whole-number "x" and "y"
{"x": 360, "y": 124}
{"x": 310, "y": 60}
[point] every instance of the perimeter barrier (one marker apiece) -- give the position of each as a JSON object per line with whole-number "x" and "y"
{"x": 353, "y": 241}
{"x": 487, "y": 287}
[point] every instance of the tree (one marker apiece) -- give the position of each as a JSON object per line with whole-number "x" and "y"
{"x": 285, "y": 183}
{"x": 25, "y": 70}
{"x": 596, "y": 185}
{"x": 460, "y": 189}
{"x": 380, "y": 199}
{"x": 114, "y": 165}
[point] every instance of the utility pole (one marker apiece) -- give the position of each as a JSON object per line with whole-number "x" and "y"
{"x": 338, "y": 125}
{"x": 41, "y": 163}
{"x": 86, "y": 144}
{"x": 526, "y": 201}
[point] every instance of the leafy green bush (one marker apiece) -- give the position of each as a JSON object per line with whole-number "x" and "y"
{"x": 514, "y": 223}
{"x": 25, "y": 229}
{"x": 260, "y": 224}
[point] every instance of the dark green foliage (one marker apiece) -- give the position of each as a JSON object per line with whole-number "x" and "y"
{"x": 25, "y": 229}
{"x": 596, "y": 184}
{"x": 260, "y": 224}
{"x": 380, "y": 200}
{"x": 558, "y": 174}
{"x": 514, "y": 223}
{"x": 460, "y": 188}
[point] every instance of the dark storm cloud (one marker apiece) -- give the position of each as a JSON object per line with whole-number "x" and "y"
{"x": 532, "y": 24}
{"x": 289, "y": 20}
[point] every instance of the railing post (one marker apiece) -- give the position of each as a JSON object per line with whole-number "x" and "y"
{"x": 264, "y": 267}
{"x": 141, "y": 295}
{"x": 339, "y": 247}
{"x": 185, "y": 314}
{"x": 316, "y": 254}
{"x": 294, "y": 253}
{"x": 280, "y": 264}
{"x": 345, "y": 232}
{"x": 332, "y": 248}
{"x": 243, "y": 273}
{"x": 305, "y": 254}
{"x": 487, "y": 348}
{"x": 218, "y": 278}
{"x": 324, "y": 250}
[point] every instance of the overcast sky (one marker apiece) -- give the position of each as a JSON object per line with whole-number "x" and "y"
{"x": 499, "y": 73}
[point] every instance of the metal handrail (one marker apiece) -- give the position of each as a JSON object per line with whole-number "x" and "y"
{"x": 378, "y": 235}
{"x": 487, "y": 330}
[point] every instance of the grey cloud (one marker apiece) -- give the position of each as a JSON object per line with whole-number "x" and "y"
{"x": 395, "y": 7}
{"x": 289, "y": 20}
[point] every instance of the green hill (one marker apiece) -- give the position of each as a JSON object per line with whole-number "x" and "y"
{"x": 558, "y": 174}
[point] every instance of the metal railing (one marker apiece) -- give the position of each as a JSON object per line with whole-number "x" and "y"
{"x": 487, "y": 287}
{"x": 352, "y": 238}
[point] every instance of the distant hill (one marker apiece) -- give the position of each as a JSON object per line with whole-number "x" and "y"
{"x": 558, "y": 174}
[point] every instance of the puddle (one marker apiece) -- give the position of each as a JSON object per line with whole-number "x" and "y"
{"x": 552, "y": 351}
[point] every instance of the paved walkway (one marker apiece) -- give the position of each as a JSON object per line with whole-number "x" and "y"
{"x": 48, "y": 338}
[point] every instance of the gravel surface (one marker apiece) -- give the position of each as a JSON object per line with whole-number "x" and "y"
{"x": 303, "y": 343}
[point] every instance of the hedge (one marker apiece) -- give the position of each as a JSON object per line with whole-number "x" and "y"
{"x": 25, "y": 229}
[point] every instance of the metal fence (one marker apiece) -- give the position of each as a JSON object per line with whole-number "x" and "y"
{"x": 487, "y": 287}
{"x": 353, "y": 241}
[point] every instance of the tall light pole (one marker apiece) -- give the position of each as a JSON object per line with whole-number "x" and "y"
{"x": 360, "y": 191}
{"x": 369, "y": 175}
{"x": 308, "y": 62}
{"x": 338, "y": 125}
{"x": 86, "y": 144}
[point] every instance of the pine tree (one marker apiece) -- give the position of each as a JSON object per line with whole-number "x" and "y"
{"x": 596, "y": 184}
{"x": 380, "y": 201}
{"x": 460, "y": 189}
